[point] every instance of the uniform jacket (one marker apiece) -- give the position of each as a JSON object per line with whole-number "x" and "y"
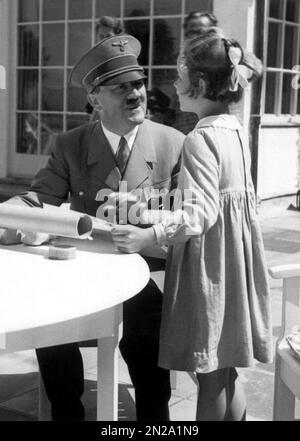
{"x": 82, "y": 163}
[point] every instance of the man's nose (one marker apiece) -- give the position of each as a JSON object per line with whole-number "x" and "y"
{"x": 134, "y": 93}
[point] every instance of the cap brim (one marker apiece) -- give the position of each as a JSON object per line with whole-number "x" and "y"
{"x": 125, "y": 77}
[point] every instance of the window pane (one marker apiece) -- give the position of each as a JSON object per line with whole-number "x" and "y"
{"x": 170, "y": 114}
{"x": 74, "y": 121}
{"x": 161, "y": 97}
{"x": 77, "y": 11}
{"x": 27, "y": 129}
{"x": 51, "y": 125}
{"x": 168, "y": 31}
{"x": 274, "y": 45}
{"x": 286, "y": 94}
{"x": 270, "y": 92}
{"x": 80, "y": 35}
{"x": 28, "y": 89}
{"x": 167, "y": 7}
{"x": 198, "y": 5}
{"x": 136, "y": 8}
{"x": 292, "y": 10}
{"x": 53, "y": 44}
{"x": 52, "y": 89}
{"x": 298, "y": 95}
{"x": 276, "y": 8}
{"x": 53, "y": 10}
{"x": 163, "y": 79}
{"x": 77, "y": 99}
{"x": 289, "y": 45}
{"x": 28, "y": 46}
{"x": 110, "y": 7}
{"x": 140, "y": 30}
{"x": 28, "y": 10}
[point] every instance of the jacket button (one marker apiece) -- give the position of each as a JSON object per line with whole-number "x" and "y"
{"x": 81, "y": 193}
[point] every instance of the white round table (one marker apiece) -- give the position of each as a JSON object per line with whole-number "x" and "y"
{"x": 48, "y": 302}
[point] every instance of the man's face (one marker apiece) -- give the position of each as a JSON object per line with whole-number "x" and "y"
{"x": 195, "y": 24}
{"x": 123, "y": 106}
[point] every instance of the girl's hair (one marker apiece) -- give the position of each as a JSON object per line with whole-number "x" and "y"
{"x": 207, "y": 56}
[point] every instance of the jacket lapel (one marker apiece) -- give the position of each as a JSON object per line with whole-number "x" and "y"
{"x": 102, "y": 160}
{"x": 139, "y": 166}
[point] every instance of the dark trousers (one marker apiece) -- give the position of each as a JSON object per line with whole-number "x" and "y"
{"x": 61, "y": 366}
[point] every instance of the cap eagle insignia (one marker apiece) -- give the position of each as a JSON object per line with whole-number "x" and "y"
{"x": 121, "y": 44}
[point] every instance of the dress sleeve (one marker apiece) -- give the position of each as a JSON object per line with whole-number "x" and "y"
{"x": 196, "y": 200}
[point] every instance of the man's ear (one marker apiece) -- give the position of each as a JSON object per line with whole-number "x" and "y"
{"x": 202, "y": 86}
{"x": 94, "y": 101}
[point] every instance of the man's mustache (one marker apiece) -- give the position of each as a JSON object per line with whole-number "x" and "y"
{"x": 134, "y": 101}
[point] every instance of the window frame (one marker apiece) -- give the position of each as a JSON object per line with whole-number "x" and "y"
{"x": 277, "y": 118}
{"x": 26, "y": 164}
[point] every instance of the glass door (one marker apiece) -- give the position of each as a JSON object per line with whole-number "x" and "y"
{"x": 51, "y": 36}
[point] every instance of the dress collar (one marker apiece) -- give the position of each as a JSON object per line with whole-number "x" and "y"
{"x": 224, "y": 120}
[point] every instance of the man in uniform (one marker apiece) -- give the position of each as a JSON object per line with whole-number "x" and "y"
{"x": 121, "y": 146}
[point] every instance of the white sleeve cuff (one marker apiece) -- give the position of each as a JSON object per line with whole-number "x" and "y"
{"x": 160, "y": 234}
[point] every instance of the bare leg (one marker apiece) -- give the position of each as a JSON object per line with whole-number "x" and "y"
{"x": 236, "y": 398}
{"x": 220, "y": 397}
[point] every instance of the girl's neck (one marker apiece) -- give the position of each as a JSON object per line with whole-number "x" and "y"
{"x": 210, "y": 108}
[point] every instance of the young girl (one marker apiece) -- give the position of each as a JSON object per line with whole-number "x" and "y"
{"x": 216, "y": 310}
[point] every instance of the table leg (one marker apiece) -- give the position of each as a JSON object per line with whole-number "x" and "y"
{"x": 107, "y": 375}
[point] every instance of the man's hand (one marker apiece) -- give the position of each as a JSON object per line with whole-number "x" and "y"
{"x": 130, "y": 239}
{"x": 119, "y": 203}
{"x": 34, "y": 239}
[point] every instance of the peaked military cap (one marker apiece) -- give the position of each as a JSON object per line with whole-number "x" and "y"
{"x": 111, "y": 61}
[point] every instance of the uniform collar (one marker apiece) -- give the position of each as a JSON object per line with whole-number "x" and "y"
{"x": 114, "y": 139}
{"x": 140, "y": 163}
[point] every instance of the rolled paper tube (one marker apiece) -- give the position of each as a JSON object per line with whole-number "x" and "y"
{"x": 55, "y": 221}
{"x": 62, "y": 252}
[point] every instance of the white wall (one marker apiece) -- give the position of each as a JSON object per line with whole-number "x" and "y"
{"x": 278, "y": 161}
{"x": 4, "y": 94}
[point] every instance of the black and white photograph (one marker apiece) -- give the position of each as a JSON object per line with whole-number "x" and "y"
{"x": 149, "y": 214}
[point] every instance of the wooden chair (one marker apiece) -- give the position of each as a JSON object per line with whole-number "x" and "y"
{"x": 287, "y": 367}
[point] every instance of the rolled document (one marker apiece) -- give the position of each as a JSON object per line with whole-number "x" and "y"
{"x": 54, "y": 220}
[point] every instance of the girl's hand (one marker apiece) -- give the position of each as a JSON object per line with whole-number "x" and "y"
{"x": 131, "y": 239}
{"x": 34, "y": 239}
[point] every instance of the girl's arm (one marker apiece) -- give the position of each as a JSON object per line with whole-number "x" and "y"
{"x": 196, "y": 202}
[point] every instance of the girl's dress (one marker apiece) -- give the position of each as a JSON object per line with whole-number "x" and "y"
{"x": 216, "y": 309}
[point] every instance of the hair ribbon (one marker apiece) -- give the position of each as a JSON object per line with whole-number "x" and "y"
{"x": 239, "y": 72}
